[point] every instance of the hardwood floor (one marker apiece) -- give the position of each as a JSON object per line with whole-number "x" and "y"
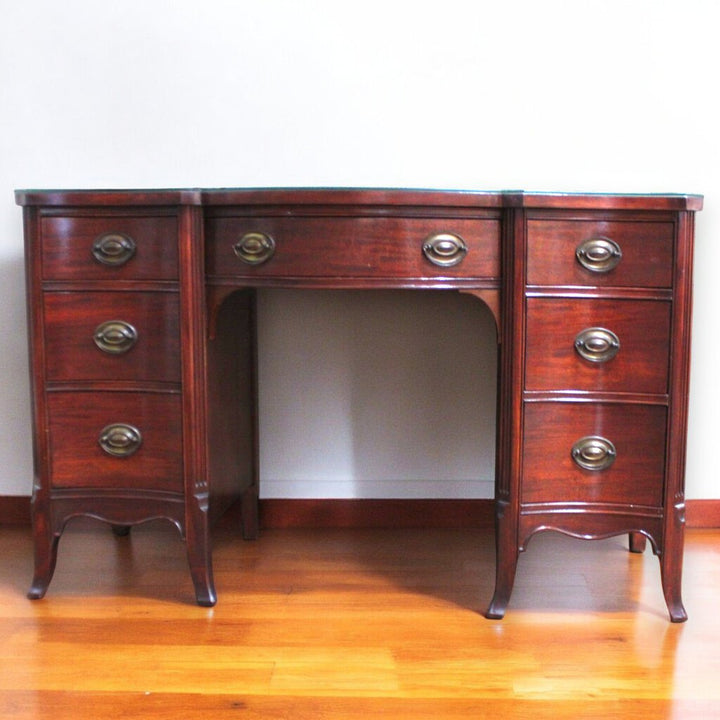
{"x": 354, "y": 624}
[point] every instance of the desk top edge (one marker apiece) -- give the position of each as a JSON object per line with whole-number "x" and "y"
{"x": 357, "y": 196}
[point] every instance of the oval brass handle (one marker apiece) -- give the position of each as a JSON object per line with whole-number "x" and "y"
{"x": 113, "y": 248}
{"x": 254, "y": 248}
{"x": 444, "y": 249}
{"x": 593, "y": 452}
{"x": 120, "y": 439}
{"x": 598, "y": 254}
{"x": 115, "y": 337}
{"x": 597, "y": 344}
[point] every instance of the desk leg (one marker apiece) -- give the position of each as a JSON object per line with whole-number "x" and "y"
{"x": 45, "y": 549}
{"x": 197, "y": 540}
{"x": 671, "y": 561}
{"x": 670, "y": 574}
{"x": 637, "y": 542}
{"x": 506, "y": 552}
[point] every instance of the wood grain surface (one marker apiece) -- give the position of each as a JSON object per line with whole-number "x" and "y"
{"x": 353, "y": 623}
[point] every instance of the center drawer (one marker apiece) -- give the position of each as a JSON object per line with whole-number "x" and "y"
{"x": 339, "y": 247}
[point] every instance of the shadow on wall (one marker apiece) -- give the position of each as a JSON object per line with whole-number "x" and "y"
{"x": 376, "y": 394}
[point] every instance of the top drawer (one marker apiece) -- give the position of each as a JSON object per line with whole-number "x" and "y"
{"x": 600, "y": 253}
{"x": 109, "y": 247}
{"x": 343, "y": 247}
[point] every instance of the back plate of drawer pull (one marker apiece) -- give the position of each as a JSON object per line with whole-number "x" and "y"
{"x": 444, "y": 249}
{"x": 593, "y": 452}
{"x": 254, "y": 248}
{"x": 115, "y": 337}
{"x": 113, "y": 248}
{"x": 598, "y": 254}
{"x": 597, "y": 344}
{"x": 120, "y": 440}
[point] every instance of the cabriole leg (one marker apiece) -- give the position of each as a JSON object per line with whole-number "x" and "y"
{"x": 670, "y": 572}
{"x": 671, "y": 562}
{"x": 199, "y": 553}
{"x": 506, "y": 552}
{"x": 45, "y": 550}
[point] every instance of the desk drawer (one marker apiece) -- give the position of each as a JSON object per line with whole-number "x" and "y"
{"x": 636, "y": 434}
{"x": 354, "y": 247}
{"x": 115, "y": 247}
{"x": 150, "y": 458}
{"x": 572, "y": 344}
{"x": 642, "y": 251}
{"x": 112, "y": 336}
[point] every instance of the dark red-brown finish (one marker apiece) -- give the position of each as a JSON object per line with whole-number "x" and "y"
{"x": 188, "y": 381}
{"x": 75, "y": 421}
{"x": 641, "y": 326}
{"x": 71, "y": 321}
{"x": 647, "y": 250}
{"x": 550, "y": 475}
{"x": 354, "y": 247}
{"x": 67, "y": 237}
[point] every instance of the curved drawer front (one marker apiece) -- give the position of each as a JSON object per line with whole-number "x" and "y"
{"x": 614, "y": 253}
{"x": 112, "y": 336}
{"x": 143, "y": 430}
{"x": 561, "y": 437}
{"x": 354, "y": 247}
{"x": 597, "y": 345}
{"x": 109, "y": 247}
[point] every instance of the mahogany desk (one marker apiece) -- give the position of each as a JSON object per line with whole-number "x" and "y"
{"x": 142, "y": 338}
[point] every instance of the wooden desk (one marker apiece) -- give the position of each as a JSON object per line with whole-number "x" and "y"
{"x": 142, "y": 338}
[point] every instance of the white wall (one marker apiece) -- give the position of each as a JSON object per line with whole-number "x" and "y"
{"x": 614, "y": 95}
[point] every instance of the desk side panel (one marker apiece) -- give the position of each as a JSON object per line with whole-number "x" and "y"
{"x": 232, "y": 413}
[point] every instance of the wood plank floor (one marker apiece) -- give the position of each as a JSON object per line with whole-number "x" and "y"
{"x": 354, "y": 624}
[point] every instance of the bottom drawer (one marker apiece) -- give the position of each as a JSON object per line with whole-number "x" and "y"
{"x": 594, "y": 453}
{"x": 115, "y": 440}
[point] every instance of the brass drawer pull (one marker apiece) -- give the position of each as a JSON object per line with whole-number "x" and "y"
{"x": 113, "y": 248}
{"x": 120, "y": 440}
{"x": 254, "y": 248}
{"x": 593, "y": 452}
{"x": 115, "y": 337}
{"x": 444, "y": 249}
{"x": 597, "y": 344}
{"x": 598, "y": 254}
